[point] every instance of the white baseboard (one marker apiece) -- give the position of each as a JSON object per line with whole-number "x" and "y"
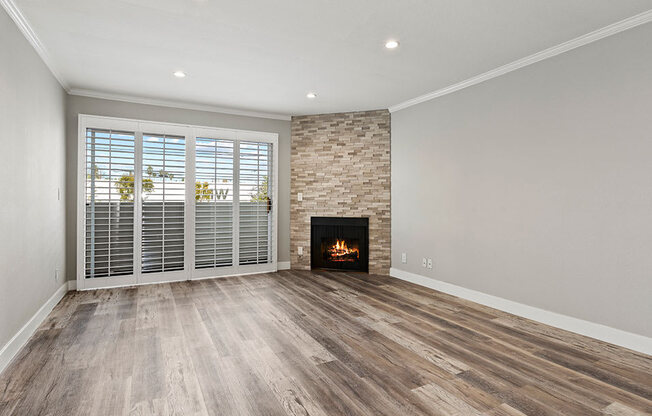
{"x": 602, "y": 332}
{"x": 9, "y": 351}
{"x": 72, "y": 284}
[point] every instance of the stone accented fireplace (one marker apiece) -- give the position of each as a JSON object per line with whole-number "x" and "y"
{"x": 340, "y": 164}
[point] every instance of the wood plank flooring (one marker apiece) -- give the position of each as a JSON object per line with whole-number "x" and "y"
{"x": 311, "y": 343}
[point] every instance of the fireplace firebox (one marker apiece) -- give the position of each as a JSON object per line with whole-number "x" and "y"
{"x": 339, "y": 243}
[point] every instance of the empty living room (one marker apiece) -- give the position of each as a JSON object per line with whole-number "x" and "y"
{"x": 325, "y": 208}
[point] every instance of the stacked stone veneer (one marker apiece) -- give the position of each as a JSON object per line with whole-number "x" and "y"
{"x": 341, "y": 164}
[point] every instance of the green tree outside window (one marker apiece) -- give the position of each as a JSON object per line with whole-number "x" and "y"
{"x": 126, "y": 189}
{"x": 262, "y": 193}
{"x": 203, "y": 192}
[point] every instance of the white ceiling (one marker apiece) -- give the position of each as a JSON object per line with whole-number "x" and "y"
{"x": 264, "y": 55}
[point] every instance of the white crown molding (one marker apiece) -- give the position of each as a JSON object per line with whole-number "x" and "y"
{"x": 174, "y": 104}
{"x": 625, "y": 24}
{"x": 579, "y": 326}
{"x": 17, "y": 16}
{"x": 604, "y": 32}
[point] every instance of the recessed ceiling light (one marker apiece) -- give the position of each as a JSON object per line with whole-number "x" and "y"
{"x": 391, "y": 44}
{"x": 311, "y": 95}
{"x": 179, "y": 74}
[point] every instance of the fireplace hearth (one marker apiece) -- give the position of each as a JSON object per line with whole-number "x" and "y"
{"x": 339, "y": 243}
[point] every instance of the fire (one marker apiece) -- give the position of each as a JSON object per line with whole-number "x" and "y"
{"x": 341, "y": 252}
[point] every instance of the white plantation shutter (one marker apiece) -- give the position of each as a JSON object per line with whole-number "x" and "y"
{"x": 109, "y": 213}
{"x": 163, "y": 208}
{"x": 185, "y": 202}
{"x": 213, "y": 203}
{"x": 255, "y": 196}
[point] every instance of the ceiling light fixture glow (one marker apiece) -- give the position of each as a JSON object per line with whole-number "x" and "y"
{"x": 311, "y": 95}
{"x": 179, "y": 74}
{"x": 391, "y": 44}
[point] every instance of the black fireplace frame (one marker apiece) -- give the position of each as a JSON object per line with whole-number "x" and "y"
{"x": 342, "y": 227}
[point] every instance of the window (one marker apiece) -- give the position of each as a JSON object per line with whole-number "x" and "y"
{"x": 255, "y": 202}
{"x": 163, "y": 196}
{"x": 109, "y": 203}
{"x": 213, "y": 203}
{"x": 161, "y": 202}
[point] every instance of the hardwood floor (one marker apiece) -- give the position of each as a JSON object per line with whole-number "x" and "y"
{"x": 311, "y": 343}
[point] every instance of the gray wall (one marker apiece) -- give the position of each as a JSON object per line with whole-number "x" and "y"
{"x": 537, "y": 186}
{"x": 32, "y": 165}
{"x": 83, "y": 105}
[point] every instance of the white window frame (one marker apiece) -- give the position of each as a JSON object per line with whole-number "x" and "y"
{"x": 190, "y": 132}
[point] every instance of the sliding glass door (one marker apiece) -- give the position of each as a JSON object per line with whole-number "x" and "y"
{"x": 109, "y": 203}
{"x": 255, "y": 202}
{"x": 165, "y": 202}
{"x": 214, "y": 203}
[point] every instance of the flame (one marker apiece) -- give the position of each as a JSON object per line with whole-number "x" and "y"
{"x": 341, "y": 252}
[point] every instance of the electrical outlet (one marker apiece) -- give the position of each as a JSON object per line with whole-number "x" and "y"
{"x": 56, "y": 275}
{"x": 430, "y": 263}
{"x": 300, "y": 250}
{"x": 424, "y": 262}
{"x": 403, "y": 257}
{"x": 300, "y": 196}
